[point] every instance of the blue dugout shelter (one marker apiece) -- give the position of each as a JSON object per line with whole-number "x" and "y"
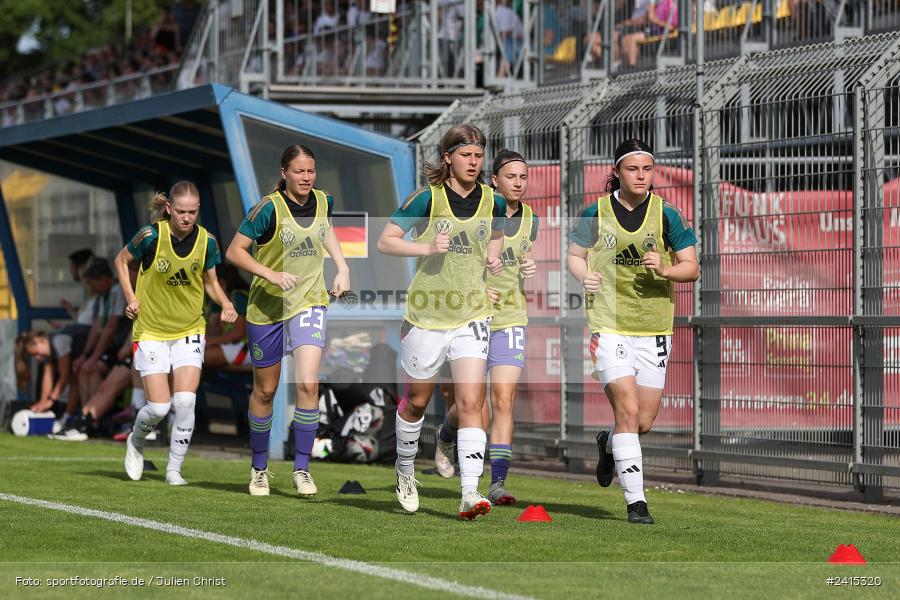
{"x": 83, "y": 180}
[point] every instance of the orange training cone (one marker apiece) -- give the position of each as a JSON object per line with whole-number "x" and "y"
{"x": 535, "y": 513}
{"x": 848, "y": 555}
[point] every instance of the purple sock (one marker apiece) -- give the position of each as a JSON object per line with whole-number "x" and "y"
{"x": 306, "y": 424}
{"x": 259, "y": 440}
{"x": 447, "y": 431}
{"x": 500, "y": 456}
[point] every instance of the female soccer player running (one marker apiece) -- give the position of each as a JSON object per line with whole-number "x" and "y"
{"x": 177, "y": 264}
{"x": 291, "y": 228}
{"x": 457, "y": 225}
{"x": 621, "y": 251}
{"x": 506, "y": 351}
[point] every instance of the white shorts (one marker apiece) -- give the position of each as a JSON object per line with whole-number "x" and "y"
{"x": 236, "y": 354}
{"x": 643, "y": 357}
{"x": 152, "y": 356}
{"x": 424, "y": 351}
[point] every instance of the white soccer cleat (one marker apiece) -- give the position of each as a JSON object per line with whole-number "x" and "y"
{"x": 175, "y": 478}
{"x": 69, "y": 435}
{"x": 472, "y": 505}
{"x": 259, "y": 482}
{"x": 407, "y": 493}
{"x": 134, "y": 460}
{"x": 443, "y": 457}
{"x": 304, "y": 483}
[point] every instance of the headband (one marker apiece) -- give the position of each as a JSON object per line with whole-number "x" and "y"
{"x": 503, "y": 164}
{"x": 621, "y": 158}
{"x": 452, "y": 149}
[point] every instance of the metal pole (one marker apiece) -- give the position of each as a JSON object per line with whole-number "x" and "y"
{"x": 701, "y": 17}
{"x": 128, "y": 19}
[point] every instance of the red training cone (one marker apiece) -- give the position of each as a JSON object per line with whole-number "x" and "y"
{"x": 848, "y": 555}
{"x": 535, "y": 513}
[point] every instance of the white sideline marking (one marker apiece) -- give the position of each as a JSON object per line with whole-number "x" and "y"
{"x": 59, "y": 458}
{"x": 424, "y": 581}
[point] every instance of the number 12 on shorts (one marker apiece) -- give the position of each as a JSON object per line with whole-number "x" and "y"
{"x": 516, "y": 337}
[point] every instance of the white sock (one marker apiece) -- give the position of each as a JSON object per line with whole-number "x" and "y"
{"x": 609, "y": 440}
{"x": 147, "y": 419}
{"x": 626, "y": 450}
{"x": 182, "y": 429}
{"x": 408, "y": 444}
{"x": 470, "y": 445}
{"x": 138, "y": 398}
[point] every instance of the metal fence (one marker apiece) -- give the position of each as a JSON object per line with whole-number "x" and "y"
{"x": 786, "y": 360}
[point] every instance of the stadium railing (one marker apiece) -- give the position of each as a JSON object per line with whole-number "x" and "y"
{"x": 87, "y": 96}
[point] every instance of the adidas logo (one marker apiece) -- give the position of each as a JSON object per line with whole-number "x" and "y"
{"x": 477, "y": 456}
{"x": 629, "y": 257}
{"x": 196, "y": 350}
{"x": 183, "y": 442}
{"x": 633, "y": 469}
{"x": 520, "y": 356}
{"x": 460, "y": 244}
{"x": 662, "y": 364}
{"x": 304, "y": 248}
{"x": 317, "y": 336}
{"x": 509, "y": 258}
{"x": 178, "y": 279}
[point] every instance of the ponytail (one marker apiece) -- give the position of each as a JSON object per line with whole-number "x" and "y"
{"x": 158, "y": 206}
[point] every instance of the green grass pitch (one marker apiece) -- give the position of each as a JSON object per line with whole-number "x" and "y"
{"x": 701, "y": 546}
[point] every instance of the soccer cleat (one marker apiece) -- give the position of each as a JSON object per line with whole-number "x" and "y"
{"x": 443, "y": 456}
{"x": 638, "y": 513}
{"x": 498, "y": 495}
{"x": 175, "y": 478}
{"x": 472, "y": 505}
{"x": 259, "y": 482}
{"x": 134, "y": 459}
{"x": 606, "y": 466}
{"x": 304, "y": 483}
{"x": 72, "y": 434}
{"x": 407, "y": 493}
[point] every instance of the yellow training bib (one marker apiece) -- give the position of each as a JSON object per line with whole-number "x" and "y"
{"x": 171, "y": 291}
{"x": 633, "y": 300}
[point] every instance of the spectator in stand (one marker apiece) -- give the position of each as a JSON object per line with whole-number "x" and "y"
{"x": 512, "y": 34}
{"x": 328, "y": 19}
{"x": 449, "y": 30}
{"x": 185, "y": 14}
{"x": 661, "y": 15}
{"x": 166, "y": 35}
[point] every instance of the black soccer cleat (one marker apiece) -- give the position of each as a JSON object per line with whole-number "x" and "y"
{"x": 638, "y": 513}
{"x": 606, "y": 466}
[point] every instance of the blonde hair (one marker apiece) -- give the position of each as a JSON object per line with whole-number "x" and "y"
{"x": 457, "y": 136}
{"x": 157, "y": 206}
